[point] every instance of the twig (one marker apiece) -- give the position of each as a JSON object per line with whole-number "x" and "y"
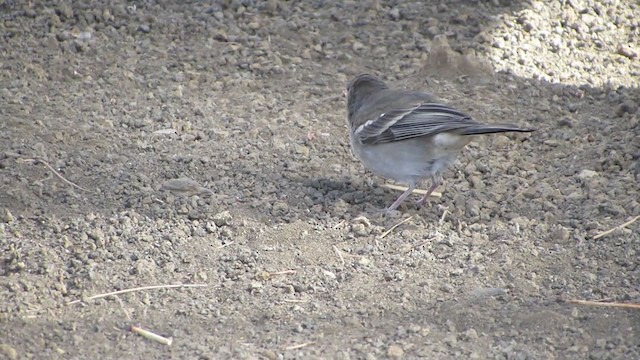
{"x": 338, "y": 224}
{"x": 394, "y": 227}
{"x": 296, "y": 301}
{"x": 415, "y": 191}
{"x": 294, "y": 347}
{"x": 154, "y": 287}
{"x": 56, "y": 173}
{"x": 152, "y": 336}
{"x": 608, "y": 304}
{"x": 616, "y": 228}
{"x": 225, "y": 245}
{"x": 444, "y": 214}
{"x": 335, "y": 248}
{"x": 422, "y": 243}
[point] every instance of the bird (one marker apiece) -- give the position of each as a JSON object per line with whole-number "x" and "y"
{"x": 408, "y": 136}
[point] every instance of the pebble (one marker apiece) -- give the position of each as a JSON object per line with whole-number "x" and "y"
{"x": 359, "y": 229}
{"x": 7, "y": 216}
{"x": 627, "y": 52}
{"x": 395, "y": 352}
{"x": 587, "y": 174}
{"x": 626, "y": 107}
{"x": 8, "y": 351}
{"x": 222, "y": 218}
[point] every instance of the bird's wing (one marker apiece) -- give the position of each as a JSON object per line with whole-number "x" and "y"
{"x": 406, "y": 122}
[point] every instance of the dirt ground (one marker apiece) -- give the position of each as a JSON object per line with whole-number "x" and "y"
{"x": 280, "y": 222}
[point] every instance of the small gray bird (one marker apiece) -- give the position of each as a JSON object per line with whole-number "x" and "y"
{"x": 406, "y": 135}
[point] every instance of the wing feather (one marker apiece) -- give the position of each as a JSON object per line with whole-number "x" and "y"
{"x": 423, "y": 119}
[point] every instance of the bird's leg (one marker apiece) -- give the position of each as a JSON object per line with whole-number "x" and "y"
{"x": 401, "y": 198}
{"x": 435, "y": 181}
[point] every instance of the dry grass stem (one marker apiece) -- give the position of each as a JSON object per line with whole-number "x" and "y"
{"x": 152, "y": 336}
{"x": 299, "y": 346}
{"x": 394, "y": 227}
{"x": 55, "y": 172}
{"x": 605, "y": 233}
{"x": 444, "y": 214}
{"x": 154, "y": 287}
{"x": 225, "y": 245}
{"x": 415, "y": 191}
{"x": 606, "y": 304}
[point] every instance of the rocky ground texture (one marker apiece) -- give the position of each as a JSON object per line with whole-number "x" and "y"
{"x": 205, "y": 143}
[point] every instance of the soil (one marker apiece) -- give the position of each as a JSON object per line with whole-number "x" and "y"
{"x": 206, "y": 143}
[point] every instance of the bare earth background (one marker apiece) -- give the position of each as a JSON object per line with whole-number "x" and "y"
{"x": 251, "y": 92}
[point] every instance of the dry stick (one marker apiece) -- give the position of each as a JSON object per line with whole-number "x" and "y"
{"x": 394, "y": 227}
{"x": 444, "y": 214}
{"x": 338, "y": 224}
{"x": 294, "y": 347}
{"x": 39, "y": 159}
{"x": 415, "y": 191}
{"x": 152, "y": 336}
{"x": 154, "y": 287}
{"x": 422, "y": 243}
{"x": 608, "y": 304}
{"x": 616, "y": 228}
{"x": 225, "y": 245}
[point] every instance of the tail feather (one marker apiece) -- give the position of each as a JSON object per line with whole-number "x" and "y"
{"x": 492, "y": 128}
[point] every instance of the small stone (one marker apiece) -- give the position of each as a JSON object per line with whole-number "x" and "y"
{"x": 395, "y": 352}
{"x": 184, "y": 186}
{"x": 279, "y": 208}
{"x": 8, "y": 351}
{"x": 627, "y": 52}
{"x": 96, "y": 235}
{"x": 271, "y": 6}
{"x": 302, "y": 150}
{"x": 456, "y": 272}
{"x": 447, "y": 288}
{"x": 627, "y": 107}
{"x": 560, "y": 234}
{"x": 144, "y": 28}
{"x": 451, "y": 340}
{"x": 270, "y": 354}
{"x": 263, "y": 275}
{"x": 470, "y": 334}
{"x": 255, "y": 285}
{"x": 587, "y": 174}
{"x": 359, "y": 229}
{"x": 395, "y": 14}
{"x": 222, "y": 218}
{"x": 329, "y": 274}
{"x": 7, "y": 216}
{"x": 566, "y": 122}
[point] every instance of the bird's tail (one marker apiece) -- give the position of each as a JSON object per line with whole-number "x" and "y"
{"x": 492, "y": 128}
